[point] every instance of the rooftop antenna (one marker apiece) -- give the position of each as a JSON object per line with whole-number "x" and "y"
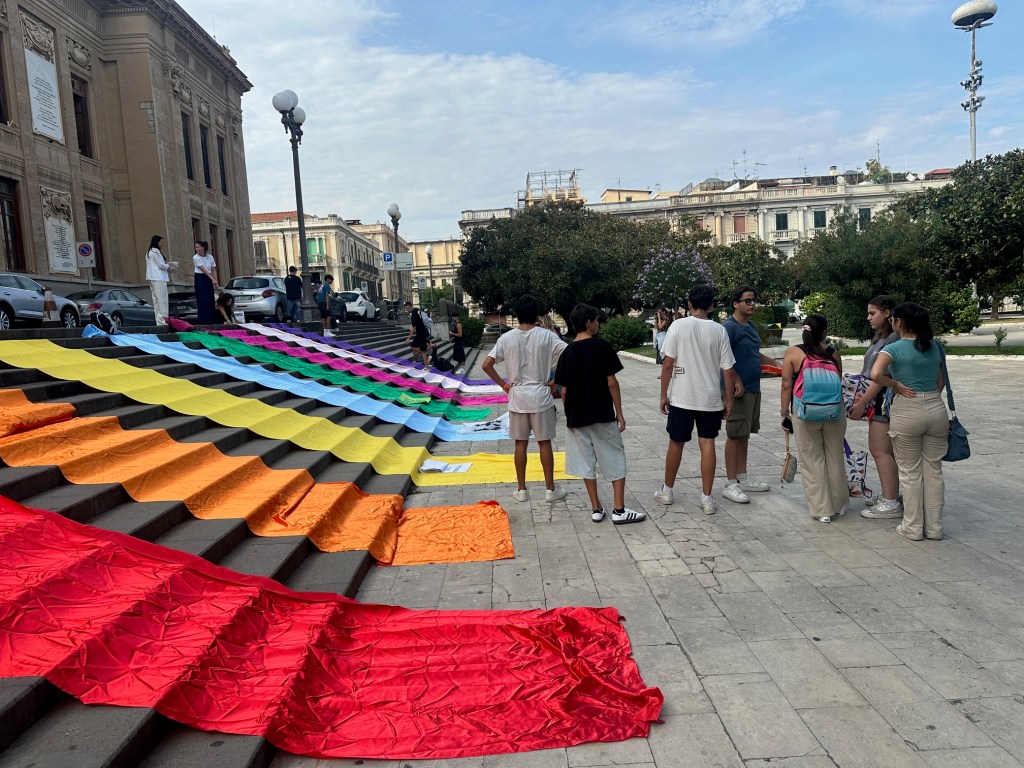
{"x": 746, "y": 172}
{"x": 803, "y": 165}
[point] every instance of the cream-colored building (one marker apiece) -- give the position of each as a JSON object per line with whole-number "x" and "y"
{"x": 442, "y": 266}
{"x": 783, "y": 212}
{"x": 397, "y": 283}
{"x": 118, "y": 121}
{"x": 333, "y": 248}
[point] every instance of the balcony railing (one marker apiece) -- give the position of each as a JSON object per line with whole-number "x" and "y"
{"x": 735, "y": 237}
{"x": 784, "y": 234}
{"x": 489, "y": 213}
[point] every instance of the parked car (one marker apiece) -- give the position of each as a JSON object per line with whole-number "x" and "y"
{"x": 259, "y": 295}
{"x": 21, "y": 298}
{"x": 359, "y": 306}
{"x": 498, "y": 328}
{"x": 124, "y": 307}
{"x": 182, "y": 305}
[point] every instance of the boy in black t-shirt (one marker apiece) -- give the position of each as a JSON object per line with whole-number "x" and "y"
{"x": 593, "y": 413}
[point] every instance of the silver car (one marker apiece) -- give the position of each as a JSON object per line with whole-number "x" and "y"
{"x": 124, "y": 307}
{"x": 259, "y": 295}
{"x": 21, "y": 298}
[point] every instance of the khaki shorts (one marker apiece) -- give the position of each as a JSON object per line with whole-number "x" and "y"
{"x": 542, "y": 425}
{"x": 745, "y": 418}
{"x": 593, "y": 448}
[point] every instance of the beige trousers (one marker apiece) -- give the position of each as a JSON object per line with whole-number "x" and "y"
{"x": 158, "y": 289}
{"x": 919, "y": 428}
{"x": 822, "y": 465}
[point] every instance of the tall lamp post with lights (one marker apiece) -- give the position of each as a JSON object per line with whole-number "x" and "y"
{"x": 430, "y": 271}
{"x": 970, "y": 17}
{"x": 292, "y": 118}
{"x": 395, "y": 214}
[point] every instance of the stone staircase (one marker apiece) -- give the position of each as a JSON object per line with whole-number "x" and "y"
{"x": 40, "y": 726}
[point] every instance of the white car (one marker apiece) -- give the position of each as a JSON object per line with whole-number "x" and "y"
{"x": 358, "y": 305}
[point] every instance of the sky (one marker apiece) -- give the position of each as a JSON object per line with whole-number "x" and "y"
{"x": 442, "y": 106}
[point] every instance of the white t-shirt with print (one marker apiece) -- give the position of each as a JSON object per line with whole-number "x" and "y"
{"x": 701, "y": 351}
{"x": 529, "y": 357}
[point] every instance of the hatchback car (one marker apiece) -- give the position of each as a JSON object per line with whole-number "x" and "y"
{"x": 21, "y": 298}
{"x": 260, "y": 295}
{"x": 359, "y": 306}
{"x": 124, "y": 307}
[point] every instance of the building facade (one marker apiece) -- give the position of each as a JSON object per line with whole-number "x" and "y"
{"x": 333, "y": 247}
{"x": 118, "y": 121}
{"x": 783, "y": 212}
{"x": 397, "y": 283}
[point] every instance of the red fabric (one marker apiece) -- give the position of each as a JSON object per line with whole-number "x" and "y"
{"x": 179, "y": 326}
{"x": 114, "y": 620}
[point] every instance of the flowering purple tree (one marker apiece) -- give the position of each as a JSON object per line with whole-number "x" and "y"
{"x": 668, "y": 274}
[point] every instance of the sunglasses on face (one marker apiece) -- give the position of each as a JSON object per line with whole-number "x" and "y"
{"x": 748, "y": 302}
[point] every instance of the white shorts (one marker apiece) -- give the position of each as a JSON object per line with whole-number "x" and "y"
{"x": 520, "y": 425}
{"x": 598, "y": 446}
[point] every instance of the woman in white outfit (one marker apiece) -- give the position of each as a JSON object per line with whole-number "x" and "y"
{"x": 157, "y": 274}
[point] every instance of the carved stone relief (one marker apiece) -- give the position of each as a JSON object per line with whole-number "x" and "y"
{"x": 204, "y": 107}
{"x": 78, "y": 54}
{"x": 220, "y": 121}
{"x": 3, "y": 11}
{"x": 38, "y": 37}
{"x": 178, "y": 87}
{"x": 56, "y": 204}
{"x": 236, "y": 122}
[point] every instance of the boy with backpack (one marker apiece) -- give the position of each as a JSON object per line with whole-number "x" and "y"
{"x": 812, "y": 409}
{"x": 323, "y": 302}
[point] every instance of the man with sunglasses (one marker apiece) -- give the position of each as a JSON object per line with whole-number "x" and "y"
{"x": 745, "y": 417}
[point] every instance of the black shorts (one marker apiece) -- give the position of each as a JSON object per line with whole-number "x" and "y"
{"x": 681, "y": 421}
{"x": 325, "y": 313}
{"x": 419, "y": 342}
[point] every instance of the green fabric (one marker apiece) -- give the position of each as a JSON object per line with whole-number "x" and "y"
{"x": 350, "y": 381}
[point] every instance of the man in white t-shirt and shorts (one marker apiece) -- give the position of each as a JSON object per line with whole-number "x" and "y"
{"x": 530, "y": 353}
{"x": 697, "y": 355}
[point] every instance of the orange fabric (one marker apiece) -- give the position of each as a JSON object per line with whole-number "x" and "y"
{"x": 18, "y": 413}
{"x": 151, "y": 466}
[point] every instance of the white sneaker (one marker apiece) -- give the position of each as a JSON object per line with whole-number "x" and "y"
{"x": 708, "y": 507}
{"x": 883, "y": 510}
{"x": 460, "y": 371}
{"x": 627, "y": 516}
{"x": 663, "y": 497}
{"x": 597, "y": 515}
{"x": 555, "y": 494}
{"x": 733, "y": 492}
{"x": 752, "y": 485}
{"x": 521, "y": 495}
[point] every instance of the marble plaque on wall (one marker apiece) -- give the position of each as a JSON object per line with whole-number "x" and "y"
{"x": 43, "y": 94}
{"x": 60, "y": 231}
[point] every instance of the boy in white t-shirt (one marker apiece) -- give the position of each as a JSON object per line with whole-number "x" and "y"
{"x": 530, "y": 353}
{"x": 697, "y": 355}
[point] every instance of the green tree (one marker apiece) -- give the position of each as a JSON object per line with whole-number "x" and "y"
{"x": 755, "y": 263}
{"x": 851, "y": 264}
{"x": 429, "y": 297}
{"x": 562, "y": 254}
{"x": 876, "y": 172}
{"x": 976, "y": 224}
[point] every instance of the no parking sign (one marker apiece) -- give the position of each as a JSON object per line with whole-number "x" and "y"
{"x": 86, "y": 253}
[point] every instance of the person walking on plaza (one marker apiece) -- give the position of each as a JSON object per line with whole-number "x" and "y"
{"x": 662, "y": 321}
{"x": 812, "y": 409}
{"x": 697, "y": 355}
{"x": 593, "y": 415}
{"x": 745, "y": 418}
{"x": 529, "y": 354}
{"x": 879, "y": 443}
{"x": 323, "y": 303}
{"x": 205, "y": 280}
{"x": 918, "y": 421}
{"x": 293, "y": 293}
{"x": 419, "y": 336}
{"x": 157, "y": 275}
{"x": 458, "y": 342}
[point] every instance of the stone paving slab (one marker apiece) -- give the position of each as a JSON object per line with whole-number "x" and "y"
{"x": 778, "y": 642}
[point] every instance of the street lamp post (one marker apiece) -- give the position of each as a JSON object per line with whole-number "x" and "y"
{"x": 395, "y": 215}
{"x": 430, "y": 271}
{"x": 970, "y": 17}
{"x": 292, "y": 118}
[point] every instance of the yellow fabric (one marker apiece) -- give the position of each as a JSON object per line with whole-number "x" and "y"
{"x": 146, "y": 386}
{"x": 151, "y": 466}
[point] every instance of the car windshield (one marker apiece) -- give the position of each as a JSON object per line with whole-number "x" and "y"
{"x": 83, "y": 295}
{"x": 247, "y": 283}
{"x": 349, "y": 296}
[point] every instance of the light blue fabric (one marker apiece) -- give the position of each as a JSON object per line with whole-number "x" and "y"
{"x": 389, "y": 412}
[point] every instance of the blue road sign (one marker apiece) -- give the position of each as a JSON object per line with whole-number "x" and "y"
{"x": 388, "y": 257}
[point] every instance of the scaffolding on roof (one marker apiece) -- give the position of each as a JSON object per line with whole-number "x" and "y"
{"x": 545, "y": 186}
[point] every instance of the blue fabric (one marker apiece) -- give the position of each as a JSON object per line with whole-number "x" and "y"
{"x": 746, "y": 348}
{"x": 389, "y": 412}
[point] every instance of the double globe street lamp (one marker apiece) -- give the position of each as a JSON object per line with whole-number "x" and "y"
{"x": 292, "y": 118}
{"x": 395, "y": 214}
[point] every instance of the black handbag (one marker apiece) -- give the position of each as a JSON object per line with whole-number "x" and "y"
{"x": 957, "y": 448}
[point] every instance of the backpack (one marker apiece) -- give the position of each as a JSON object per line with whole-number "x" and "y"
{"x": 321, "y": 296}
{"x": 818, "y": 390}
{"x": 427, "y": 323}
{"x": 104, "y": 322}
{"x": 443, "y": 364}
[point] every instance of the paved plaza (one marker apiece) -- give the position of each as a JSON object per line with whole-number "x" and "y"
{"x": 778, "y": 641}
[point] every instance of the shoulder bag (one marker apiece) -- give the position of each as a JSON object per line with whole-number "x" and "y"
{"x": 958, "y": 448}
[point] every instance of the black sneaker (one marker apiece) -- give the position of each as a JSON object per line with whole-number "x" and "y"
{"x": 626, "y": 516}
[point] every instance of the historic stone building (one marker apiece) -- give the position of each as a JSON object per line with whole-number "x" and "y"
{"x": 332, "y": 246}
{"x": 119, "y": 119}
